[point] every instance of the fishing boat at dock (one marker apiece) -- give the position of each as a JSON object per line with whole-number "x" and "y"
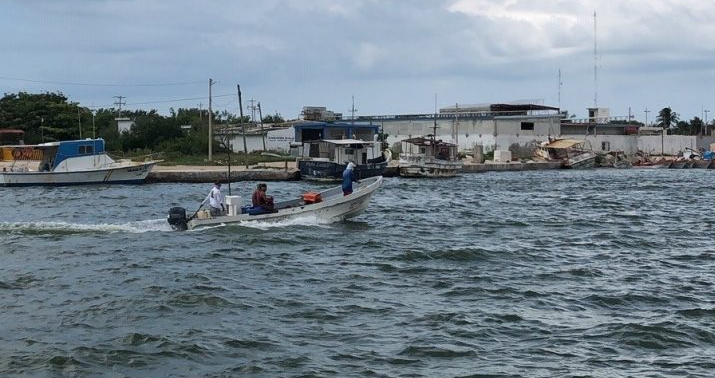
{"x": 72, "y": 162}
{"x": 326, "y": 159}
{"x": 428, "y": 157}
{"x": 328, "y": 204}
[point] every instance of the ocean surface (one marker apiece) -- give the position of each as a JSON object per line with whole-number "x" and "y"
{"x": 598, "y": 273}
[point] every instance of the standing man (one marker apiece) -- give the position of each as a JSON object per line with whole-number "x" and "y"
{"x": 215, "y": 200}
{"x": 348, "y": 179}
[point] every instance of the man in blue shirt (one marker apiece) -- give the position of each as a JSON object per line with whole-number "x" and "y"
{"x": 348, "y": 179}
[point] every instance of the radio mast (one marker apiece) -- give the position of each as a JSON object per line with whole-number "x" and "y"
{"x": 595, "y": 62}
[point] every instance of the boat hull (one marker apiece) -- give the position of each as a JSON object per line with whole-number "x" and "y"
{"x": 334, "y": 207}
{"x": 428, "y": 171}
{"x": 421, "y": 166}
{"x": 133, "y": 174}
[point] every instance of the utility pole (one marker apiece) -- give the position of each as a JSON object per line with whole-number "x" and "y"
{"x": 646, "y": 116}
{"x": 79, "y": 121}
{"x": 263, "y": 136}
{"x": 705, "y": 122}
{"x": 252, "y": 107}
{"x": 211, "y": 134}
{"x": 240, "y": 109}
{"x": 119, "y": 103}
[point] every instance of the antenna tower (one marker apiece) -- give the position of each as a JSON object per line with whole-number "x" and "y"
{"x": 595, "y": 62}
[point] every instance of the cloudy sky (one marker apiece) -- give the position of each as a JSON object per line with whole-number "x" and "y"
{"x": 392, "y": 56}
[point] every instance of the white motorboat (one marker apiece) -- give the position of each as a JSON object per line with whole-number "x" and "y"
{"x": 428, "y": 157}
{"x": 73, "y": 162}
{"x": 329, "y": 204}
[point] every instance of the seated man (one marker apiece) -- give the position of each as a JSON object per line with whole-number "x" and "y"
{"x": 260, "y": 199}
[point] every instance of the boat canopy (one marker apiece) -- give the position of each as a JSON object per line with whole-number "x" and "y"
{"x": 422, "y": 141}
{"x": 563, "y": 143}
{"x": 346, "y": 141}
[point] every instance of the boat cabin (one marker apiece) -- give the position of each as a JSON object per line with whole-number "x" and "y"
{"x": 430, "y": 148}
{"x": 342, "y": 151}
{"x": 54, "y": 155}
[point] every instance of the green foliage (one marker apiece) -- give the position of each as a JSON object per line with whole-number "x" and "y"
{"x": 276, "y": 118}
{"x": 667, "y": 118}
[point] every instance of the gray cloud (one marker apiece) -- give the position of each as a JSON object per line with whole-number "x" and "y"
{"x": 393, "y": 56}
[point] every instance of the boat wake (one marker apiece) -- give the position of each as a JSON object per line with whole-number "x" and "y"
{"x": 71, "y": 228}
{"x": 308, "y": 220}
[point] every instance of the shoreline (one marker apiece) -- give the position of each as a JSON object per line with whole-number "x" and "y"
{"x": 288, "y": 171}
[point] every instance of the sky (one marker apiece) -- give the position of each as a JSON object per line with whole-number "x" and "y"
{"x": 384, "y": 56}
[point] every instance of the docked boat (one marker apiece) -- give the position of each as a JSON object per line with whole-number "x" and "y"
{"x": 329, "y": 204}
{"x": 657, "y": 164}
{"x": 428, "y": 157}
{"x": 326, "y": 159}
{"x": 73, "y": 162}
{"x": 573, "y": 153}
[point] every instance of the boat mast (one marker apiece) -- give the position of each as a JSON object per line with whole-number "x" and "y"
{"x": 434, "y": 127}
{"x": 352, "y": 118}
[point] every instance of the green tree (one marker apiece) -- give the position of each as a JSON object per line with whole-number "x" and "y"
{"x": 43, "y": 117}
{"x": 667, "y": 118}
{"x": 276, "y": 118}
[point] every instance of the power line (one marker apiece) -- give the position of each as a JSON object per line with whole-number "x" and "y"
{"x": 162, "y": 101}
{"x": 100, "y": 84}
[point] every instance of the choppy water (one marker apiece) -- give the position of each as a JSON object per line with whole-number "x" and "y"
{"x": 535, "y": 274}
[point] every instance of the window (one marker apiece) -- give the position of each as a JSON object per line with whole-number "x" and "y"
{"x": 527, "y": 126}
{"x": 86, "y": 150}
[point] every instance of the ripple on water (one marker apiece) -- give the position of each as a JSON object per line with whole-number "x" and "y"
{"x": 552, "y": 273}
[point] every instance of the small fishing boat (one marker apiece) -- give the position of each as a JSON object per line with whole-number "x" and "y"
{"x": 326, "y": 159}
{"x": 428, "y": 157}
{"x": 648, "y": 164}
{"x": 73, "y": 162}
{"x": 328, "y": 204}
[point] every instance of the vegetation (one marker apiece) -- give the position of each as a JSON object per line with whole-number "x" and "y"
{"x": 181, "y": 137}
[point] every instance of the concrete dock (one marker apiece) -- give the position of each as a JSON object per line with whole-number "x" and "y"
{"x": 282, "y": 171}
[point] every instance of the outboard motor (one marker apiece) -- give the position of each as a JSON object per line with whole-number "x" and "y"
{"x": 177, "y": 218}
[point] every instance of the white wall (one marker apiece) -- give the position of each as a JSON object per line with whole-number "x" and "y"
{"x": 276, "y": 140}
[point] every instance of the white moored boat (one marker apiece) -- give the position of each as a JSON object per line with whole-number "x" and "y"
{"x": 428, "y": 157}
{"x": 74, "y": 162}
{"x": 329, "y": 204}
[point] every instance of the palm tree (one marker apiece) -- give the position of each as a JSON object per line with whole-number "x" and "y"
{"x": 666, "y": 118}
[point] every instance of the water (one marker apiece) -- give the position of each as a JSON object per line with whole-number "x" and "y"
{"x": 535, "y": 274}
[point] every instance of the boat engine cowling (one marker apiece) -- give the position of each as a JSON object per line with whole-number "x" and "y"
{"x": 177, "y": 218}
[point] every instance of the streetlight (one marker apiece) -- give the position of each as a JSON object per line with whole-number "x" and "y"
{"x": 705, "y": 122}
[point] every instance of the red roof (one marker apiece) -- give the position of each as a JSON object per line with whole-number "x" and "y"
{"x": 11, "y": 131}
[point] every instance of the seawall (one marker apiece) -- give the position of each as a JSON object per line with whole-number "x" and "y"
{"x": 273, "y": 172}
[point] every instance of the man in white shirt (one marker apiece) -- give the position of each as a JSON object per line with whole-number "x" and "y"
{"x": 215, "y": 200}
